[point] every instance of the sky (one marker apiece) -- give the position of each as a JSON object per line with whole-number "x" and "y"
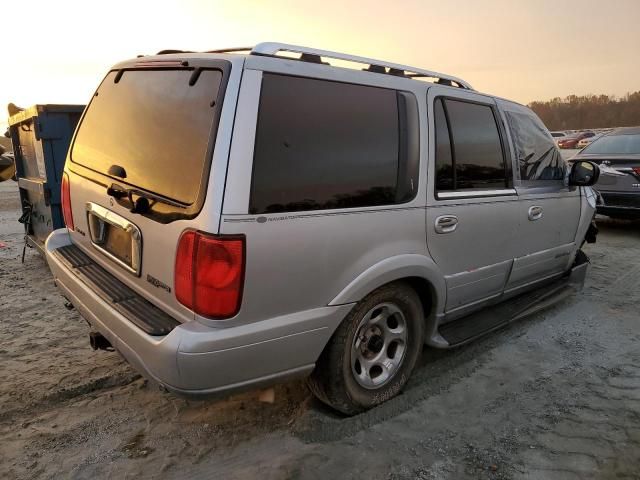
{"x": 524, "y": 50}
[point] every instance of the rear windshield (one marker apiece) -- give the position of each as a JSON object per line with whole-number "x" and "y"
{"x": 155, "y": 126}
{"x": 615, "y": 145}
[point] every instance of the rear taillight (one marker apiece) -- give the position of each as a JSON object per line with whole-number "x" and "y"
{"x": 209, "y": 273}
{"x": 636, "y": 170}
{"x": 65, "y": 193}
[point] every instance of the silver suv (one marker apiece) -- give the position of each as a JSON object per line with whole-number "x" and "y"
{"x": 237, "y": 218}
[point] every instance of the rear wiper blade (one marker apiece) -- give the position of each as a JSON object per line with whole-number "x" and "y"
{"x": 143, "y": 202}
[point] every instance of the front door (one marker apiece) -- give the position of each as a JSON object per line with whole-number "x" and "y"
{"x": 472, "y": 207}
{"x": 549, "y": 210}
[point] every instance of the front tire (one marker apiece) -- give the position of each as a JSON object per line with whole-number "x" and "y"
{"x": 373, "y": 352}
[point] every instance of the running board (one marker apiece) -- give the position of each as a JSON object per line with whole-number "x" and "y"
{"x": 496, "y": 316}
{"x": 491, "y": 318}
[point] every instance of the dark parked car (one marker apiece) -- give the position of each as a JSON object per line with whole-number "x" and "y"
{"x": 618, "y": 154}
{"x": 572, "y": 141}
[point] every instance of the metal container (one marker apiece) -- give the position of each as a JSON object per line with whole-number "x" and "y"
{"x": 41, "y": 136}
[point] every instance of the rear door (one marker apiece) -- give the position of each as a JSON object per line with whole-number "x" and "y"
{"x": 548, "y": 211}
{"x": 140, "y": 167}
{"x": 472, "y": 208}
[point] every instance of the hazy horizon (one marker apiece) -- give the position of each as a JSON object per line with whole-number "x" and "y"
{"x": 525, "y": 51}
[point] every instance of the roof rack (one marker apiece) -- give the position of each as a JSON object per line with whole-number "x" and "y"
{"x": 170, "y": 51}
{"x": 313, "y": 55}
{"x": 232, "y": 50}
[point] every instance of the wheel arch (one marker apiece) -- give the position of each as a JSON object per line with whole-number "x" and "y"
{"x": 420, "y": 272}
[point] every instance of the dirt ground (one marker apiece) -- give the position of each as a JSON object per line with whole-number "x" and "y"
{"x": 555, "y": 396}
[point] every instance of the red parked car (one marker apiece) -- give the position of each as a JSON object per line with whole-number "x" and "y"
{"x": 572, "y": 142}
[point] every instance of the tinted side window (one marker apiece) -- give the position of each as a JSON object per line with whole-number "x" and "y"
{"x": 469, "y": 152}
{"x": 324, "y": 145}
{"x": 444, "y": 159}
{"x": 478, "y": 158}
{"x": 538, "y": 156}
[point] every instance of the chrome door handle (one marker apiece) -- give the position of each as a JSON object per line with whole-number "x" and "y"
{"x": 446, "y": 223}
{"x": 535, "y": 213}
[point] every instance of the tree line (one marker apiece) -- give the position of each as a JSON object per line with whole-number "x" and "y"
{"x": 589, "y": 111}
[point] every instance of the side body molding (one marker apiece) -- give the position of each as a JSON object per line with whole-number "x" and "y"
{"x": 391, "y": 269}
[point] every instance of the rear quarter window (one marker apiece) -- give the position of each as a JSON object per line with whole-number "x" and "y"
{"x": 327, "y": 145}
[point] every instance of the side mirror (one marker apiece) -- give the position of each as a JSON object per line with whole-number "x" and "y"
{"x": 583, "y": 173}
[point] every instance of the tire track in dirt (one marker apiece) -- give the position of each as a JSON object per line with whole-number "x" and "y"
{"x": 93, "y": 386}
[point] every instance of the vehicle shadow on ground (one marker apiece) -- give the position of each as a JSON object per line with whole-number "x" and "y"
{"x": 297, "y": 411}
{"x": 435, "y": 373}
{"x": 617, "y": 225}
{"x": 438, "y": 369}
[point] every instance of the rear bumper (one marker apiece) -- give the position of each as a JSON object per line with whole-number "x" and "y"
{"x": 620, "y": 203}
{"x": 631, "y": 212}
{"x": 194, "y": 359}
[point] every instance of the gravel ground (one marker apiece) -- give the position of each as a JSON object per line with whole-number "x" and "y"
{"x": 555, "y": 396}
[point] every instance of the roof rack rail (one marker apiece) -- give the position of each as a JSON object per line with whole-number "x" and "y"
{"x": 171, "y": 51}
{"x": 272, "y": 49}
{"x": 231, "y": 50}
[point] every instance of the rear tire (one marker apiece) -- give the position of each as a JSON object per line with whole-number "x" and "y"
{"x": 373, "y": 352}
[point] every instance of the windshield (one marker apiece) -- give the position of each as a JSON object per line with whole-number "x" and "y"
{"x": 615, "y": 145}
{"x": 155, "y": 126}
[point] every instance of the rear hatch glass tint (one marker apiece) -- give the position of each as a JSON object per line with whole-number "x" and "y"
{"x": 154, "y": 125}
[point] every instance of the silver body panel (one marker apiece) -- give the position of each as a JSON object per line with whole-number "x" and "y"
{"x": 306, "y": 270}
